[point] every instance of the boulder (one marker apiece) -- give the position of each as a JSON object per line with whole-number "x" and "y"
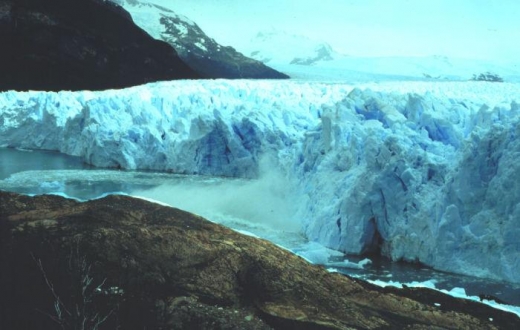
{"x": 122, "y": 262}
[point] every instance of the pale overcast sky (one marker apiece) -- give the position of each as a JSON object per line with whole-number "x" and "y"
{"x": 488, "y": 29}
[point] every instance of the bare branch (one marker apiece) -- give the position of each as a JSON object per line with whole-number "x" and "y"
{"x": 58, "y": 304}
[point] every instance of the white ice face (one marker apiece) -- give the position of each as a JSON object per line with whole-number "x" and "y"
{"x": 423, "y": 171}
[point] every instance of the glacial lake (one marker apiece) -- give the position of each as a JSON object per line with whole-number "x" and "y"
{"x": 221, "y": 200}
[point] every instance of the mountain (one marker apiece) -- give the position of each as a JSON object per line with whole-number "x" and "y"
{"x": 79, "y": 45}
{"x": 306, "y": 58}
{"x": 299, "y": 50}
{"x": 279, "y": 47}
{"x": 202, "y": 53}
{"x": 424, "y": 171}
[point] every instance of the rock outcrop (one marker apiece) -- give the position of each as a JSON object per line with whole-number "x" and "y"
{"x": 128, "y": 263}
{"x": 78, "y": 45}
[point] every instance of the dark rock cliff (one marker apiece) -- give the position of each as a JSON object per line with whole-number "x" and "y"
{"x": 120, "y": 262}
{"x": 79, "y": 45}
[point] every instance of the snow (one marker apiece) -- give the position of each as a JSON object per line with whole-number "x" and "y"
{"x": 429, "y": 167}
{"x": 201, "y": 46}
{"x": 312, "y": 54}
{"x": 287, "y": 52}
{"x": 266, "y": 46}
{"x": 479, "y": 29}
{"x": 181, "y": 28}
{"x": 147, "y": 15}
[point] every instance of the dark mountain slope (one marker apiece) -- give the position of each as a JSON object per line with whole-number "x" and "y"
{"x": 77, "y": 45}
{"x": 202, "y": 53}
{"x": 208, "y": 58}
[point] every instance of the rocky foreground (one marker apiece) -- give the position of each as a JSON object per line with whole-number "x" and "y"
{"x": 125, "y": 263}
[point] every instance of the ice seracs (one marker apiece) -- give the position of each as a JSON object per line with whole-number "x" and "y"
{"x": 418, "y": 179}
{"x": 415, "y": 171}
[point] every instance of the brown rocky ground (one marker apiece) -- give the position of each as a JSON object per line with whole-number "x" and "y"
{"x": 124, "y": 263}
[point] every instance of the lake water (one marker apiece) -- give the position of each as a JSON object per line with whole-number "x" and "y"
{"x": 14, "y": 161}
{"x": 223, "y": 200}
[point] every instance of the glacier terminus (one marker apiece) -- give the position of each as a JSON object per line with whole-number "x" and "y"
{"x": 417, "y": 171}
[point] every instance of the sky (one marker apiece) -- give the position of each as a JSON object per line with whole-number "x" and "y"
{"x": 482, "y": 29}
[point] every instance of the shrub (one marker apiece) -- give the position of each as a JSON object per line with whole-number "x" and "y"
{"x": 487, "y": 76}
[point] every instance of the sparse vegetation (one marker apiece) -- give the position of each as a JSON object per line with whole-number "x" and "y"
{"x": 487, "y": 76}
{"x": 81, "y": 313}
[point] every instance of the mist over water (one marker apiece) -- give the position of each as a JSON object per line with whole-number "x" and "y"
{"x": 266, "y": 207}
{"x": 266, "y": 201}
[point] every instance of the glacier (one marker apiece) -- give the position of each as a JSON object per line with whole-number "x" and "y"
{"x": 417, "y": 171}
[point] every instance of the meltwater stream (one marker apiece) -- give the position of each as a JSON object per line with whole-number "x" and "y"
{"x": 248, "y": 206}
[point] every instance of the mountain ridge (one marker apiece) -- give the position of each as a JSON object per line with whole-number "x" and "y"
{"x": 80, "y": 45}
{"x": 201, "y": 52}
{"x": 312, "y": 59}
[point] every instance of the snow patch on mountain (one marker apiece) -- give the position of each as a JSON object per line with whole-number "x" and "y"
{"x": 415, "y": 171}
{"x": 279, "y": 47}
{"x": 305, "y": 58}
{"x": 202, "y": 53}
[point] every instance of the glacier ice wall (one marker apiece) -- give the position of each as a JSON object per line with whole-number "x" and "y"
{"x": 211, "y": 127}
{"x": 417, "y": 178}
{"x": 424, "y": 172}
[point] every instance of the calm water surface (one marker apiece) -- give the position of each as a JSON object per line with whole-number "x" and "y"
{"x": 13, "y": 161}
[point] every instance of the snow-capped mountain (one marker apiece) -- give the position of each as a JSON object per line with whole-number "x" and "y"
{"x": 424, "y": 172}
{"x": 279, "y": 47}
{"x": 202, "y": 53}
{"x": 305, "y": 58}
